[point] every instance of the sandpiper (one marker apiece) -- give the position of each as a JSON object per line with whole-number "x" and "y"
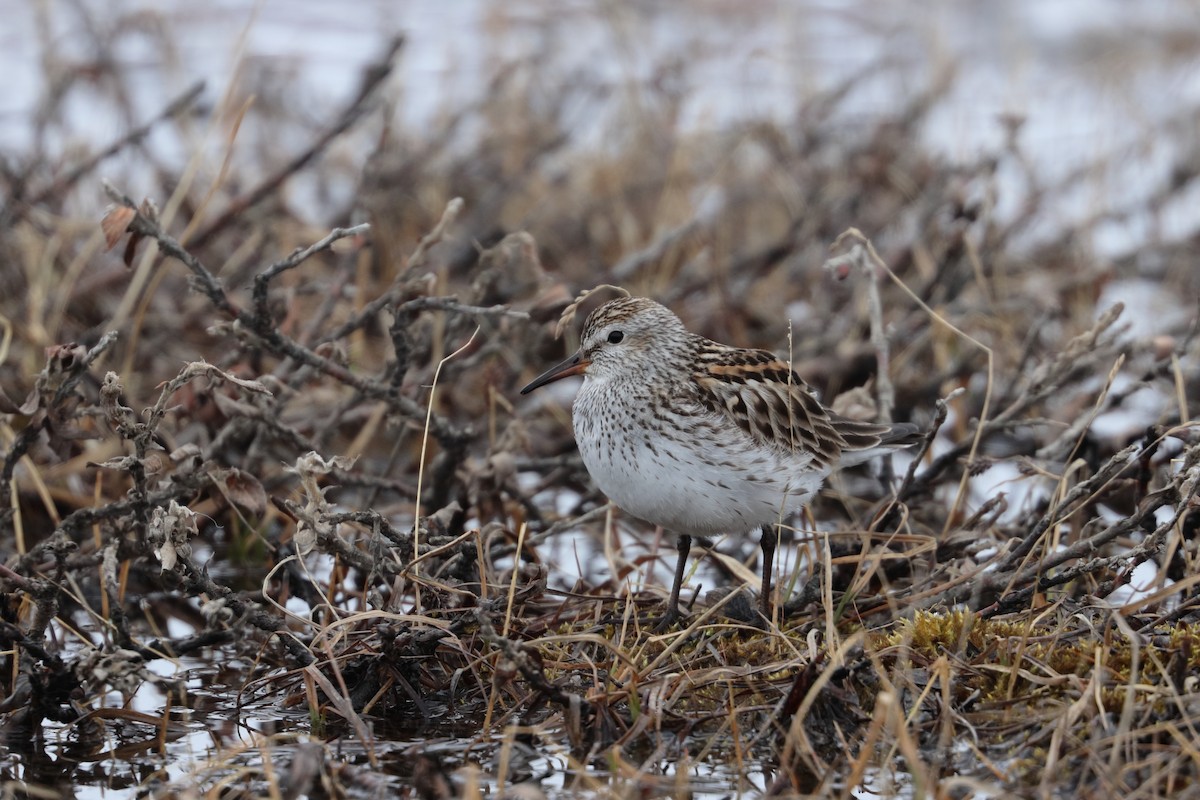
{"x": 702, "y": 438}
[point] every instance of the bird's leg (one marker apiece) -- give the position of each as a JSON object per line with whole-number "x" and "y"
{"x": 684, "y": 546}
{"x": 770, "y": 537}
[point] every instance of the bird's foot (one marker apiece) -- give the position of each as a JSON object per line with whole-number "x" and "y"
{"x": 664, "y": 623}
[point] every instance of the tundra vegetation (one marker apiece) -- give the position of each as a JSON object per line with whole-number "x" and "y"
{"x": 274, "y": 520}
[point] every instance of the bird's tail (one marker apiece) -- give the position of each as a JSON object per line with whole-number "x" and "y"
{"x": 866, "y": 440}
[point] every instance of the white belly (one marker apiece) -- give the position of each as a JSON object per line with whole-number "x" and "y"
{"x": 712, "y": 479}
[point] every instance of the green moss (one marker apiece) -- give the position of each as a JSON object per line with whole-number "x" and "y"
{"x": 1037, "y": 662}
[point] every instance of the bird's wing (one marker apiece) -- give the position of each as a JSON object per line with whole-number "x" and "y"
{"x": 768, "y": 400}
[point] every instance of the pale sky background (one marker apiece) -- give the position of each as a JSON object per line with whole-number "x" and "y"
{"x": 1095, "y": 80}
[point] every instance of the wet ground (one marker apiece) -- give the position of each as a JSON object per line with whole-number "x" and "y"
{"x": 1013, "y": 617}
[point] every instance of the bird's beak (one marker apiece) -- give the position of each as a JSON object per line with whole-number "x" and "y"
{"x": 575, "y": 365}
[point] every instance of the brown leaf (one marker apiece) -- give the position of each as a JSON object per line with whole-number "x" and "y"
{"x": 149, "y": 210}
{"x": 10, "y": 406}
{"x": 131, "y": 249}
{"x": 115, "y": 223}
{"x": 60, "y": 361}
{"x": 243, "y": 490}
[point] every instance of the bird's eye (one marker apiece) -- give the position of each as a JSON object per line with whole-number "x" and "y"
{"x": 615, "y": 337}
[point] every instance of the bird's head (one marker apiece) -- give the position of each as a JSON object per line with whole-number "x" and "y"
{"x": 629, "y": 338}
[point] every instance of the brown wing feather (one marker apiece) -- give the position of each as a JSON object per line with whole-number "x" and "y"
{"x": 768, "y": 401}
{"x": 860, "y": 435}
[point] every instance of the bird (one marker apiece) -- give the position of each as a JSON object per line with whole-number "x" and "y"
{"x": 703, "y": 438}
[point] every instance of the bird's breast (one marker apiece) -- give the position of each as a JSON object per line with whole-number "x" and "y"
{"x": 677, "y": 465}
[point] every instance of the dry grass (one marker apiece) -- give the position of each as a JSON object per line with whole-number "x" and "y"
{"x": 340, "y": 426}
